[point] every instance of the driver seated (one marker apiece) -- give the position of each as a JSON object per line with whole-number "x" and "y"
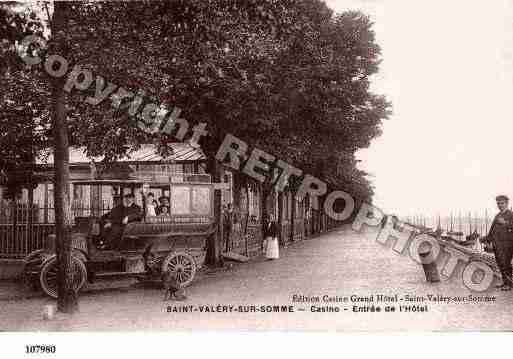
{"x": 116, "y": 220}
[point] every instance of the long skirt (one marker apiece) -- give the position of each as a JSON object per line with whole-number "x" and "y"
{"x": 272, "y": 250}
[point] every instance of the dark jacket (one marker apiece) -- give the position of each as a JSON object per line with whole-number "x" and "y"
{"x": 116, "y": 215}
{"x": 502, "y": 232}
{"x": 158, "y": 210}
{"x": 271, "y": 230}
{"x": 227, "y": 219}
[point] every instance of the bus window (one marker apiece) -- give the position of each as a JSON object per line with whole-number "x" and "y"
{"x": 180, "y": 200}
{"x": 201, "y": 200}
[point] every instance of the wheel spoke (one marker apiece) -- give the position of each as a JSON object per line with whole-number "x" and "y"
{"x": 182, "y": 265}
{"x": 50, "y": 274}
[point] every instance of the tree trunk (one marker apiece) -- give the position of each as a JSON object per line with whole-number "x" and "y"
{"x": 213, "y": 257}
{"x": 292, "y": 215}
{"x": 31, "y": 213}
{"x": 265, "y": 193}
{"x": 322, "y": 226}
{"x": 67, "y": 301}
{"x": 280, "y": 217}
{"x": 246, "y": 188}
{"x": 307, "y": 220}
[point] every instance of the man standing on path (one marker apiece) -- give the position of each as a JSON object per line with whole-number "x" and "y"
{"x": 227, "y": 225}
{"x": 501, "y": 235}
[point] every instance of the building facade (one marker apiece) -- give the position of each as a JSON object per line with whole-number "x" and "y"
{"x": 27, "y": 218}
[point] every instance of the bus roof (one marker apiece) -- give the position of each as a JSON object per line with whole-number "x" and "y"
{"x": 132, "y": 182}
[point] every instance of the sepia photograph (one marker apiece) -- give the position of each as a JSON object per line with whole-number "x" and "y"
{"x": 303, "y": 166}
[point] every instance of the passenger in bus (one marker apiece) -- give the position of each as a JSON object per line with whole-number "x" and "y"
{"x": 116, "y": 220}
{"x": 151, "y": 205}
{"x": 164, "y": 202}
{"x": 164, "y": 211}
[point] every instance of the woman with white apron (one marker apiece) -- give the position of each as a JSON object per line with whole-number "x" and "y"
{"x": 271, "y": 249}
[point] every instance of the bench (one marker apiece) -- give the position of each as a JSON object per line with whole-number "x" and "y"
{"x": 165, "y": 236}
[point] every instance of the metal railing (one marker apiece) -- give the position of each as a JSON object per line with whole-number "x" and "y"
{"x": 24, "y": 227}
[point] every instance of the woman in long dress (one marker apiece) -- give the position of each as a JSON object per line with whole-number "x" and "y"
{"x": 271, "y": 248}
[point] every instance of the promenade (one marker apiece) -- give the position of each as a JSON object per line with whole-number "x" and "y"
{"x": 339, "y": 264}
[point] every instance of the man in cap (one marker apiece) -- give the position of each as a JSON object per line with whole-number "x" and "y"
{"x": 118, "y": 218}
{"x": 501, "y": 235}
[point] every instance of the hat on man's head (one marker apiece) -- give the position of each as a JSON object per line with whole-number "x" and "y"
{"x": 129, "y": 195}
{"x": 502, "y": 198}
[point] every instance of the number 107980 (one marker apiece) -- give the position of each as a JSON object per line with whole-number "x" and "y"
{"x": 40, "y": 349}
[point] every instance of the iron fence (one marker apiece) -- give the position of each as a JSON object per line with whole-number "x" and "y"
{"x": 24, "y": 226}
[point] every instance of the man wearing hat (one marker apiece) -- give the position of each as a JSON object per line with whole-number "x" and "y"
{"x": 118, "y": 218}
{"x": 501, "y": 235}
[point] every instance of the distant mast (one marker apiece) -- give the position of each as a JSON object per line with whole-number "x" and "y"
{"x": 486, "y": 221}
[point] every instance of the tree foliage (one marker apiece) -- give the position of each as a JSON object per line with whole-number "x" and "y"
{"x": 289, "y": 77}
{"x": 24, "y": 95}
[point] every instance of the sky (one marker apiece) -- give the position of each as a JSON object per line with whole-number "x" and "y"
{"x": 448, "y": 71}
